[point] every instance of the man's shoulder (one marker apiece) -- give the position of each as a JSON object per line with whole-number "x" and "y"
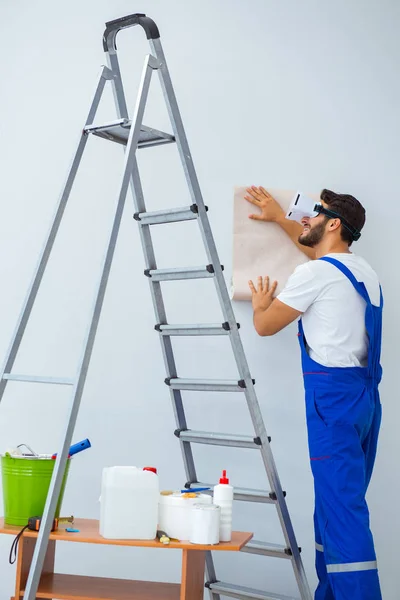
{"x": 304, "y": 270}
{"x": 323, "y": 272}
{"x": 313, "y": 268}
{"x": 357, "y": 264}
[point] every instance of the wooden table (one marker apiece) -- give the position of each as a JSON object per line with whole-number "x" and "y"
{"x": 76, "y": 587}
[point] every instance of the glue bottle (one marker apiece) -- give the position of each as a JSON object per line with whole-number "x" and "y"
{"x": 223, "y": 497}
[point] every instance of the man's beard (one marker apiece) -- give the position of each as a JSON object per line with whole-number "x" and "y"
{"x": 313, "y": 237}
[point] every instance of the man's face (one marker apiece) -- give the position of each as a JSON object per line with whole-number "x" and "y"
{"x": 313, "y": 231}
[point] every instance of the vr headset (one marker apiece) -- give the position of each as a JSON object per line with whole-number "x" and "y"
{"x": 303, "y": 206}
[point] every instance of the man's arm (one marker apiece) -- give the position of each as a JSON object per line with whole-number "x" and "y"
{"x": 272, "y": 212}
{"x": 270, "y": 316}
{"x": 275, "y": 318}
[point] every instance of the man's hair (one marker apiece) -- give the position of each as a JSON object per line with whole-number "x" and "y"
{"x": 347, "y": 207}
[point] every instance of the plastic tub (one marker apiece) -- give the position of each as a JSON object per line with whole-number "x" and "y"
{"x": 175, "y": 515}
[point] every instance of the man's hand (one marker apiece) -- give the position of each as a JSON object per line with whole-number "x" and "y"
{"x": 263, "y": 295}
{"x": 270, "y": 315}
{"x": 270, "y": 209}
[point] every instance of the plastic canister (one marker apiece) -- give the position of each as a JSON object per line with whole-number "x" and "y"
{"x": 129, "y": 503}
{"x": 175, "y": 514}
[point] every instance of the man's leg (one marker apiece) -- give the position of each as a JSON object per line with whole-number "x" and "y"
{"x": 324, "y": 590}
{"x": 340, "y": 476}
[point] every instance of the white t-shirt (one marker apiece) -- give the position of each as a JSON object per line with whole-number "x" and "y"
{"x": 333, "y": 311}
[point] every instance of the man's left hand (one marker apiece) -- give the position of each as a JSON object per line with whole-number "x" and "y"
{"x": 263, "y": 295}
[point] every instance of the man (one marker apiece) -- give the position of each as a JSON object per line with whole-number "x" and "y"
{"x": 338, "y": 297}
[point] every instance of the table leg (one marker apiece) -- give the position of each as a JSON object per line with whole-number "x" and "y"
{"x": 193, "y": 568}
{"x": 26, "y": 548}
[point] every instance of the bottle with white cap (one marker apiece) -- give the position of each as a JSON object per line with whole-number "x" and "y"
{"x": 223, "y": 497}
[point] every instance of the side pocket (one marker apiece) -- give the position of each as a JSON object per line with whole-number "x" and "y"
{"x": 315, "y": 417}
{"x": 319, "y": 433}
{"x": 318, "y": 411}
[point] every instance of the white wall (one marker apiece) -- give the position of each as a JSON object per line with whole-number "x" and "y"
{"x": 286, "y": 94}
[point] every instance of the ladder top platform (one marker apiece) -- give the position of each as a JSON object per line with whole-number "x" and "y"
{"x": 118, "y": 131}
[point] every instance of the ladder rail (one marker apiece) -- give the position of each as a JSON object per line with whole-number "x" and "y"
{"x": 160, "y": 313}
{"x": 226, "y": 306}
{"x": 150, "y": 263}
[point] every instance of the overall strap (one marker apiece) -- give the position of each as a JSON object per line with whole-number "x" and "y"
{"x": 359, "y": 285}
{"x": 373, "y": 319}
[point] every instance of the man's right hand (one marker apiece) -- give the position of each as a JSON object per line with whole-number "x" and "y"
{"x": 270, "y": 209}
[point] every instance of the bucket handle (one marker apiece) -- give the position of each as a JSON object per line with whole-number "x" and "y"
{"x": 29, "y": 448}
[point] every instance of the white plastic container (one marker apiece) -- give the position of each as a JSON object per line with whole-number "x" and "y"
{"x": 205, "y": 524}
{"x": 129, "y": 503}
{"x": 175, "y": 515}
{"x": 223, "y": 497}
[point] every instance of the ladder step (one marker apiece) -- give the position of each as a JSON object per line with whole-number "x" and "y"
{"x": 173, "y": 215}
{"x": 241, "y": 494}
{"x": 218, "y": 439}
{"x": 266, "y": 549}
{"x": 199, "y": 329}
{"x": 34, "y": 379}
{"x": 180, "y": 273}
{"x": 206, "y": 385}
{"x": 244, "y": 593}
{"x": 118, "y": 131}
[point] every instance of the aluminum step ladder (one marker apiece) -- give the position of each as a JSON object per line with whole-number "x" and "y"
{"x": 132, "y": 134}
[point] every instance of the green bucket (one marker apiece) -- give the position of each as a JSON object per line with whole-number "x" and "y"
{"x": 26, "y": 482}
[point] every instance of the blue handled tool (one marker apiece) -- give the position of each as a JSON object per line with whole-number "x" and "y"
{"x": 191, "y": 490}
{"x": 78, "y": 447}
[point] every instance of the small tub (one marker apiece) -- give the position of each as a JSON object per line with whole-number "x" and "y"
{"x": 175, "y": 514}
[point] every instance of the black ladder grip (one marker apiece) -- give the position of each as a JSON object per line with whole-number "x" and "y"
{"x": 178, "y": 432}
{"x": 112, "y": 28}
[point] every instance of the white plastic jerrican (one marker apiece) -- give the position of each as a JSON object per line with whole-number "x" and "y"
{"x": 129, "y": 503}
{"x": 175, "y": 513}
{"x": 223, "y": 497}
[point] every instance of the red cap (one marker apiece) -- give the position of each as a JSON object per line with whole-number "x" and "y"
{"x": 152, "y": 469}
{"x": 224, "y": 478}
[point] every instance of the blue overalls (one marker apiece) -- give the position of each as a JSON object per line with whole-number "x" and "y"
{"x": 343, "y": 419}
